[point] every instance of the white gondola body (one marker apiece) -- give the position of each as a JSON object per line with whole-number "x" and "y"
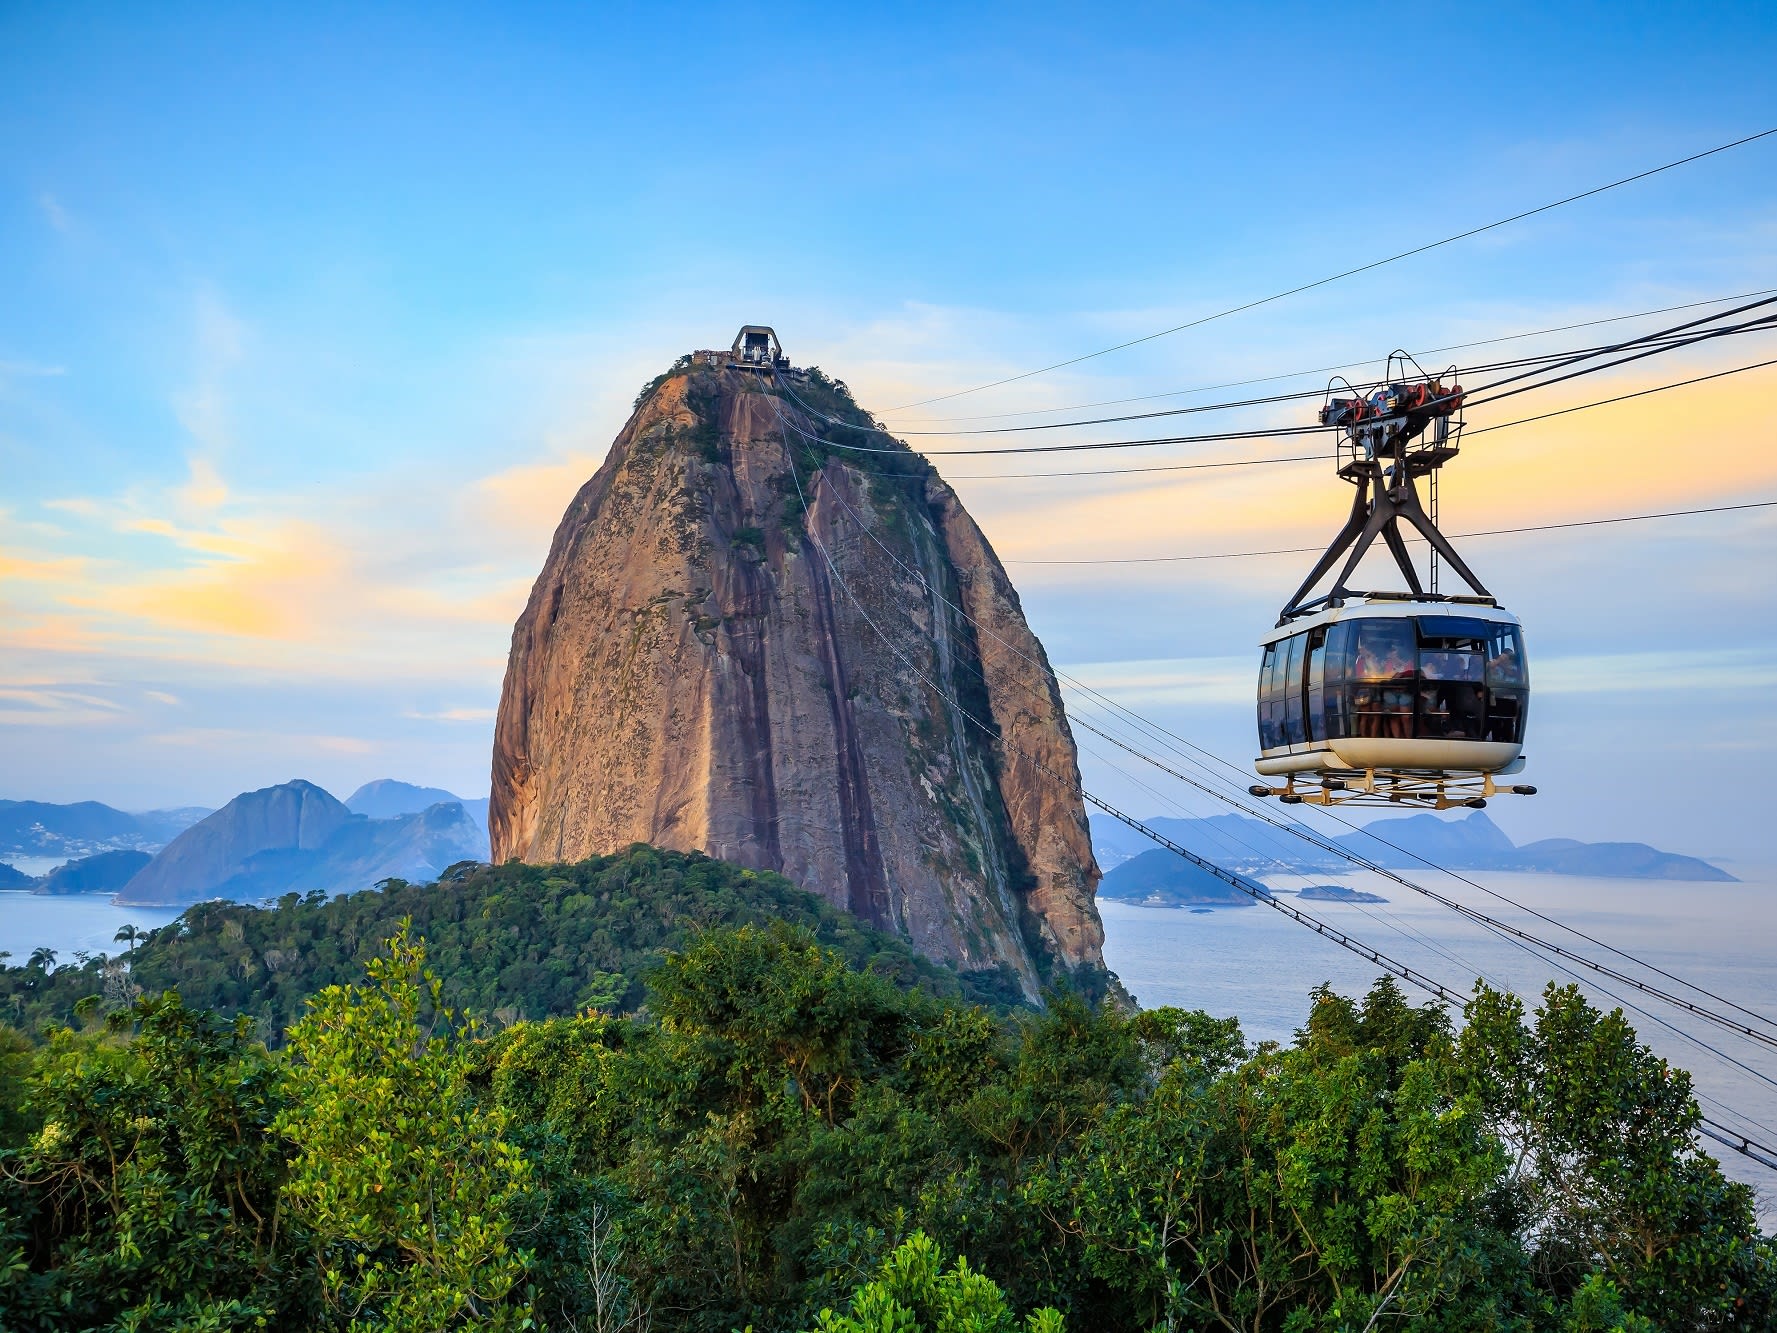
{"x": 1384, "y": 684}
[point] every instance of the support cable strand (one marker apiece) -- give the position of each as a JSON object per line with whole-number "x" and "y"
{"x": 1665, "y": 340}
{"x": 1348, "y": 273}
{"x": 1366, "y": 863}
{"x": 1334, "y": 849}
{"x": 1543, "y": 360}
{"x": 1356, "y": 365}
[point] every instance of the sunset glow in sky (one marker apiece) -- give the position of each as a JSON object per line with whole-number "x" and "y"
{"x": 311, "y": 325}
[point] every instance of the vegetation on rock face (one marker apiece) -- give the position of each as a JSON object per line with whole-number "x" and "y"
{"x": 783, "y": 1140}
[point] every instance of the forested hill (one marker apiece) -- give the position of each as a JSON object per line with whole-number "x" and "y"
{"x": 512, "y": 941}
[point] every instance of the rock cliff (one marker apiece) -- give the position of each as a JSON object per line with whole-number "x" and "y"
{"x": 884, "y": 729}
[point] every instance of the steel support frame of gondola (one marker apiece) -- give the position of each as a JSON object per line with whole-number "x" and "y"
{"x": 1444, "y": 791}
{"x": 1376, "y": 510}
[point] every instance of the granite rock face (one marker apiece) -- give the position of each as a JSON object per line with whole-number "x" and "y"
{"x": 752, "y": 643}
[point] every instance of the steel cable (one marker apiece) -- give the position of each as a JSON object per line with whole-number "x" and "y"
{"x": 1724, "y": 1134}
{"x": 1348, "y": 273}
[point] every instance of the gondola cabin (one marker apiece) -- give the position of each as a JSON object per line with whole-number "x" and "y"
{"x": 1401, "y": 687}
{"x": 1390, "y": 697}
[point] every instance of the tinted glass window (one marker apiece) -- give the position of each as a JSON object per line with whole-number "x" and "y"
{"x": 1453, "y": 647}
{"x": 1436, "y": 677}
{"x": 1339, "y": 641}
{"x": 1267, "y": 708}
{"x": 1452, "y": 709}
{"x": 1386, "y": 650}
{"x": 1454, "y": 627}
{"x": 1338, "y": 712}
{"x": 1317, "y": 661}
{"x": 1505, "y": 658}
{"x": 1451, "y": 664}
{"x": 1292, "y": 699}
{"x": 1508, "y": 685}
{"x": 1506, "y": 710}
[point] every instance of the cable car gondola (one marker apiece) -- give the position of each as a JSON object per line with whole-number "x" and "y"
{"x": 1393, "y": 697}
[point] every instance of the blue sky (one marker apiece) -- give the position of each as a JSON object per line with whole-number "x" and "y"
{"x": 313, "y": 320}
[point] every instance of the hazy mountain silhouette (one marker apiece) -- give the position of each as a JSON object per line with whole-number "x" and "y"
{"x": 83, "y": 828}
{"x": 1471, "y": 842}
{"x": 385, "y": 798}
{"x": 105, "y": 872}
{"x": 296, "y": 838}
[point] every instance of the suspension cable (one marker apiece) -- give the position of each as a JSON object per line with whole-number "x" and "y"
{"x": 1299, "y": 458}
{"x": 1355, "y": 365}
{"x": 1348, "y": 273}
{"x": 1284, "y": 432}
{"x": 1724, "y": 1134}
{"x": 1540, "y": 360}
{"x": 1356, "y": 859}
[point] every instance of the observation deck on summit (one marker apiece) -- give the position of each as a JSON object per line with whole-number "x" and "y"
{"x": 756, "y": 348}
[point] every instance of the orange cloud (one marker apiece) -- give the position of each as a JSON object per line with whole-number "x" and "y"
{"x": 59, "y": 634}
{"x": 273, "y": 581}
{"x": 1623, "y": 458}
{"x": 26, "y": 569}
{"x": 532, "y": 495}
{"x": 204, "y": 490}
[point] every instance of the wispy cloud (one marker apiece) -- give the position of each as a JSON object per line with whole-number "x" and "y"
{"x": 229, "y": 738}
{"x": 1165, "y": 680}
{"x": 529, "y": 495}
{"x": 54, "y": 706}
{"x": 203, "y": 407}
{"x": 29, "y": 370}
{"x": 1707, "y": 669}
{"x": 54, "y": 213}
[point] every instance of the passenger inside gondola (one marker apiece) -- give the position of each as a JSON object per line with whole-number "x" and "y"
{"x": 1382, "y": 670}
{"x": 1395, "y": 678}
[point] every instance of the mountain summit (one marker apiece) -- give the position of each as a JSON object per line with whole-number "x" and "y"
{"x": 751, "y": 641}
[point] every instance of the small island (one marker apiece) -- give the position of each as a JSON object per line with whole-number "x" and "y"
{"x": 1339, "y": 893}
{"x": 1160, "y": 878}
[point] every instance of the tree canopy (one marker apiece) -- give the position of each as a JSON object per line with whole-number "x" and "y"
{"x": 781, "y": 1135}
{"x": 508, "y": 942}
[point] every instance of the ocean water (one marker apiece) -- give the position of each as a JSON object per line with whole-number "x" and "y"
{"x": 1258, "y": 964}
{"x": 68, "y": 923}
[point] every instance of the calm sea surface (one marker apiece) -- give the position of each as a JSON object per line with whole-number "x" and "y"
{"x": 68, "y": 923}
{"x": 1260, "y": 965}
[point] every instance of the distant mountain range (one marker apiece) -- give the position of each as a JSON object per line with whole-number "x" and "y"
{"x": 1248, "y": 846}
{"x": 291, "y": 838}
{"x": 37, "y": 828}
